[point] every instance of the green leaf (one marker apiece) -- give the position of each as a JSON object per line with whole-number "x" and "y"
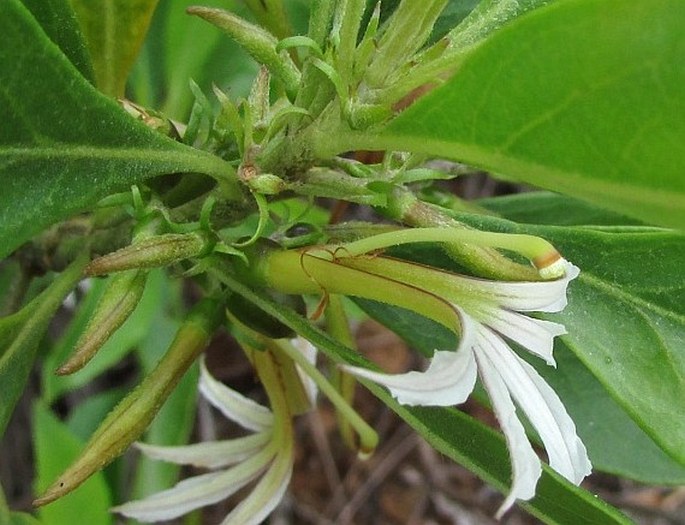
{"x": 453, "y": 433}
{"x": 59, "y": 22}
{"x": 583, "y": 97}
{"x": 542, "y": 207}
{"x": 63, "y": 145}
{"x": 626, "y": 322}
{"x": 626, "y": 317}
{"x": 482, "y": 450}
{"x": 180, "y": 48}
{"x": 114, "y": 31}
{"x": 21, "y": 333}
{"x": 55, "y": 449}
{"x": 614, "y": 442}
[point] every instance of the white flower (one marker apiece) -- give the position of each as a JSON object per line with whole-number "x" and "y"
{"x": 490, "y": 311}
{"x": 267, "y": 452}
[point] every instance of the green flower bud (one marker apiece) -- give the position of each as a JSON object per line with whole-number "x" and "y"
{"x": 131, "y": 417}
{"x": 259, "y": 43}
{"x": 120, "y": 298}
{"x": 267, "y": 184}
{"x": 152, "y": 252}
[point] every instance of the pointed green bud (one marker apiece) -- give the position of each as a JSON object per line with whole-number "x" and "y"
{"x": 320, "y": 20}
{"x": 152, "y": 252}
{"x": 259, "y": 43}
{"x": 228, "y": 120}
{"x": 259, "y": 102}
{"x": 407, "y": 30}
{"x": 120, "y": 298}
{"x": 367, "y": 45}
{"x": 131, "y": 417}
{"x": 344, "y": 35}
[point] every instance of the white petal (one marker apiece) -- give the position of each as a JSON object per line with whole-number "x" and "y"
{"x": 525, "y": 464}
{"x": 448, "y": 380}
{"x": 539, "y": 296}
{"x": 210, "y": 454}
{"x": 309, "y": 351}
{"x": 266, "y": 495}
{"x": 236, "y": 407}
{"x": 535, "y": 335}
{"x": 195, "y": 492}
{"x": 542, "y": 406}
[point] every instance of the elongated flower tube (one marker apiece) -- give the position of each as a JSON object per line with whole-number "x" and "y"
{"x": 492, "y": 313}
{"x": 487, "y": 315}
{"x": 265, "y": 454}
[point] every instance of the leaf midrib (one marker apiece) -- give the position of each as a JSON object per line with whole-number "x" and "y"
{"x": 187, "y": 160}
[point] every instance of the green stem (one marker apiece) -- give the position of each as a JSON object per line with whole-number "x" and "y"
{"x": 339, "y": 327}
{"x": 368, "y": 439}
{"x": 534, "y": 248}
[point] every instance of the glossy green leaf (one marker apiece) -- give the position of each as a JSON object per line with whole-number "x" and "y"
{"x": 59, "y": 22}
{"x": 63, "y": 145}
{"x": 114, "y": 31}
{"x": 456, "y": 434}
{"x": 626, "y": 322}
{"x": 583, "y": 97}
{"x": 21, "y": 333}
{"x": 55, "y": 448}
{"x": 543, "y": 207}
{"x": 614, "y": 442}
{"x": 626, "y": 317}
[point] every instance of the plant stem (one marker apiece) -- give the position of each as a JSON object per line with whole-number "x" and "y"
{"x": 368, "y": 439}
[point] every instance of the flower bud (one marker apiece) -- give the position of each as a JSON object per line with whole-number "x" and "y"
{"x": 120, "y": 298}
{"x": 152, "y": 252}
{"x": 133, "y": 414}
{"x": 267, "y": 184}
{"x": 259, "y": 43}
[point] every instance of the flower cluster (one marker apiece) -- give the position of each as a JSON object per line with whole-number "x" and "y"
{"x": 267, "y": 453}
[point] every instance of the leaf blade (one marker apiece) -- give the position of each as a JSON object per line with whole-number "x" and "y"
{"x": 580, "y": 97}
{"x": 114, "y": 31}
{"x": 64, "y": 146}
